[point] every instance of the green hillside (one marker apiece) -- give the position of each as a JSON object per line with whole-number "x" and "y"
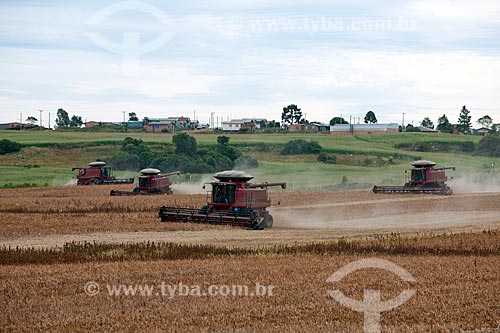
{"x": 47, "y": 157}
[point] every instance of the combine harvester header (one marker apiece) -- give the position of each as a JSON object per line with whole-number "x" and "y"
{"x": 232, "y": 201}
{"x": 424, "y": 178}
{"x": 151, "y": 182}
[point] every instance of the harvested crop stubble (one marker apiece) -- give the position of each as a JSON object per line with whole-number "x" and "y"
{"x": 453, "y": 293}
{"x": 486, "y": 243}
{"x": 90, "y": 209}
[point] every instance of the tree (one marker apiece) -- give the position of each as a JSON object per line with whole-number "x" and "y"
{"x": 32, "y": 120}
{"x": 370, "y": 118}
{"x": 464, "y": 120}
{"x": 225, "y": 149}
{"x": 444, "y": 125}
{"x": 76, "y": 121}
{"x": 291, "y": 115}
{"x": 485, "y": 121}
{"x": 427, "y": 123}
{"x": 495, "y": 128}
{"x": 185, "y": 144}
{"x": 222, "y": 140}
{"x": 62, "y": 119}
{"x": 146, "y": 120}
{"x": 338, "y": 120}
{"x": 132, "y": 117}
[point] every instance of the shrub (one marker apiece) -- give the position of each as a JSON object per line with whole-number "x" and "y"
{"x": 489, "y": 145}
{"x": 299, "y": 147}
{"x": 7, "y": 146}
{"x": 411, "y": 128}
{"x": 328, "y": 159}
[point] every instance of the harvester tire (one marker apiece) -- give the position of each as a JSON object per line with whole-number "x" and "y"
{"x": 169, "y": 192}
{"x": 268, "y": 220}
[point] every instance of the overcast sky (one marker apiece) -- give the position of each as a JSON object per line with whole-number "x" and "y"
{"x": 250, "y": 59}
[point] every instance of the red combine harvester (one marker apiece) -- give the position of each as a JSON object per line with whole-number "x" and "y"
{"x": 97, "y": 173}
{"x": 232, "y": 201}
{"x": 424, "y": 178}
{"x": 151, "y": 182}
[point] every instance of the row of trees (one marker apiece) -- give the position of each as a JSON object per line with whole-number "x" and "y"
{"x": 62, "y": 120}
{"x": 292, "y": 114}
{"x": 464, "y": 124}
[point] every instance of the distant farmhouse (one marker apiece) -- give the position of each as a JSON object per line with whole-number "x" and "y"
{"x": 160, "y": 125}
{"x": 362, "y": 129}
{"x": 483, "y": 131}
{"x": 237, "y": 125}
{"x": 153, "y": 125}
{"x": 16, "y": 126}
{"x": 90, "y": 124}
{"x": 309, "y": 128}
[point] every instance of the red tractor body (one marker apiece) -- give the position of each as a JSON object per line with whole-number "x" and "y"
{"x": 97, "y": 173}
{"x": 228, "y": 195}
{"x": 232, "y": 201}
{"x": 424, "y": 178}
{"x": 151, "y": 181}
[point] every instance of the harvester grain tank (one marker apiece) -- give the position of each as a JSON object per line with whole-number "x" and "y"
{"x": 423, "y": 178}
{"x": 97, "y": 173}
{"x": 151, "y": 182}
{"x": 233, "y": 200}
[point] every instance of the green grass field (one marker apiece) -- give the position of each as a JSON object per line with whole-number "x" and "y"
{"x": 53, "y": 164}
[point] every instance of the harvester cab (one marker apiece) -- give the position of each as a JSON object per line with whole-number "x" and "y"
{"x": 232, "y": 200}
{"x": 423, "y": 178}
{"x": 97, "y": 173}
{"x": 151, "y": 181}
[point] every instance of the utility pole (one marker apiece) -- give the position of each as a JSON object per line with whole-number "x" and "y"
{"x": 49, "y": 120}
{"x": 41, "y": 124}
{"x": 404, "y": 120}
{"x": 123, "y": 120}
{"x": 21, "y": 119}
